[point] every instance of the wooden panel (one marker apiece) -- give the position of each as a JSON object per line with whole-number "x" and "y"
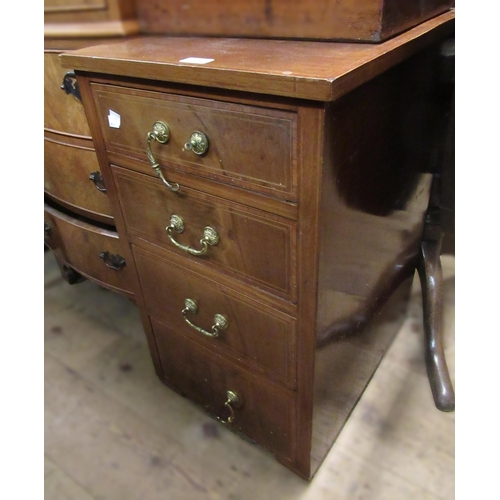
{"x": 80, "y": 244}
{"x": 62, "y": 112}
{"x": 82, "y": 14}
{"x": 68, "y": 5}
{"x": 255, "y": 246}
{"x": 249, "y": 147}
{"x": 266, "y": 414}
{"x": 67, "y": 170}
{"x": 307, "y": 70}
{"x": 166, "y": 285}
{"x": 321, "y": 19}
{"x": 375, "y": 193}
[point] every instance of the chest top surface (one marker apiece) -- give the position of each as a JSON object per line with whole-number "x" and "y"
{"x": 321, "y": 71}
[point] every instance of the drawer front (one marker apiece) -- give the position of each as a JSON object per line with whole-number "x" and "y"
{"x": 67, "y": 177}
{"x": 248, "y": 146}
{"x": 90, "y": 250}
{"x": 253, "y": 245}
{"x": 257, "y": 335}
{"x": 263, "y": 413}
{"x": 62, "y": 112}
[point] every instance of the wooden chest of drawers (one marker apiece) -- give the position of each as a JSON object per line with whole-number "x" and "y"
{"x": 272, "y": 215}
{"x": 79, "y": 221}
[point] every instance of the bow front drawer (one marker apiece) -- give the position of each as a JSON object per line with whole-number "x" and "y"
{"x": 250, "y": 244}
{"x": 246, "y": 146}
{"x": 72, "y": 176}
{"x": 91, "y": 250}
{"x": 63, "y": 107}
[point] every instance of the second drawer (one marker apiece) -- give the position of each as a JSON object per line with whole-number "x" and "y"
{"x": 217, "y": 317}
{"x": 71, "y": 176}
{"x": 252, "y": 245}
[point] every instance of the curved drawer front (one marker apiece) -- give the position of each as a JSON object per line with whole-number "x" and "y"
{"x": 248, "y": 146}
{"x": 263, "y": 413}
{"x": 94, "y": 252}
{"x": 167, "y": 286}
{"x": 63, "y": 112}
{"x": 253, "y": 245}
{"x": 67, "y": 177}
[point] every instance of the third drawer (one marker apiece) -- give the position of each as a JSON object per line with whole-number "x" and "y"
{"x": 256, "y": 335}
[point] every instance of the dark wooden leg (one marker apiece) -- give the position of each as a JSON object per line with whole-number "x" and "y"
{"x": 431, "y": 279}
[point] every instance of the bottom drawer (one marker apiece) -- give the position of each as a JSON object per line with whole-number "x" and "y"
{"x": 93, "y": 251}
{"x": 262, "y": 412}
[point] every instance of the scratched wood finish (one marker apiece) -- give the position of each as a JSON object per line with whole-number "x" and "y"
{"x": 266, "y": 414}
{"x": 79, "y": 244}
{"x": 306, "y": 70}
{"x": 253, "y": 245}
{"x": 243, "y": 140}
{"x": 167, "y": 283}
{"x": 363, "y": 20}
{"x": 67, "y": 169}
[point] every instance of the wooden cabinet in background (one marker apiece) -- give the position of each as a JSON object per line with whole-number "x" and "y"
{"x": 354, "y": 20}
{"x": 79, "y": 221}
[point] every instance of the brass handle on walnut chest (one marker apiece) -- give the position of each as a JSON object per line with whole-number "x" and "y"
{"x": 161, "y": 134}
{"x": 198, "y": 143}
{"x": 210, "y": 236}
{"x": 233, "y": 401}
{"x": 221, "y": 323}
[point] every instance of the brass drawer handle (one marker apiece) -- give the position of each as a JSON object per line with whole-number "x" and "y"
{"x": 98, "y": 181}
{"x": 198, "y": 143}
{"x": 47, "y": 230}
{"x": 161, "y": 134}
{"x": 221, "y": 322}
{"x": 116, "y": 262}
{"x": 233, "y": 401}
{"x": 210, "y": 236}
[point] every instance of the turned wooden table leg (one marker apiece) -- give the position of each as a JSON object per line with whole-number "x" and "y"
{"x": 431, "y": 278}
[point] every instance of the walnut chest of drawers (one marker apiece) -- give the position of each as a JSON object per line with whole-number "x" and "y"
{"x": 271, "y": 196}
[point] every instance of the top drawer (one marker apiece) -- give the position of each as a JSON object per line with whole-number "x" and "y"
{"x": 248, "y": 146}
{"x": 62, "y": 112}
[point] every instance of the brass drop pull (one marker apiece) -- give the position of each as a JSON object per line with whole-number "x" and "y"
{"x": 115, "y": 262}
{"x": 198, "y": 143}
{"x": 161, "y": 134}
{"x": 210, "y": 236}
{"x": 233, "y": 401}
{"x": 220, "y": 322}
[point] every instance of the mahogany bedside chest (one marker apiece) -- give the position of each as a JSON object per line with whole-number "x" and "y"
{"x": 269, "y": 197}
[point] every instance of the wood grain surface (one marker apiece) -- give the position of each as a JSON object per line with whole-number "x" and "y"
{"x": 309, "y": 70}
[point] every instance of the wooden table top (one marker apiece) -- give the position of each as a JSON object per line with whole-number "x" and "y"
{"x": 321, "y": 71}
